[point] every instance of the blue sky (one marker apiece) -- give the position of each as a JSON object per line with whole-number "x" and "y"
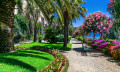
{"x": 93, "y": 6}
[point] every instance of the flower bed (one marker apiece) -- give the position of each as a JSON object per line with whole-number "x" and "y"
{"x": 59, "y": 62}
{"x": 108, "y": 47}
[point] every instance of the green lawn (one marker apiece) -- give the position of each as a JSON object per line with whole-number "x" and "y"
{"x": 46, "y": 45}
{"x": 24, "y": 61}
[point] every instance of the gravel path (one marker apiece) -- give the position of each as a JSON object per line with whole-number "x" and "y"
{"x": 27, "y": 41}
{"x": 23, "y": 42}
{"x": 89, "y": 61}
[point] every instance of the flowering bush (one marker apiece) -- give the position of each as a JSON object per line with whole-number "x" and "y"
{"x": 97, "y": 22}
{"x": 99, "y": 41}
{"x": 115, "y": 43}
{"x": 114, "y": 8}
{"x": 102, "y": 45}
{"x": 116, "y": 47}
{"x": 77, "y": 32}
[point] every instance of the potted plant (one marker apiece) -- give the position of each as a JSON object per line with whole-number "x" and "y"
{"x": 40, "y": 38}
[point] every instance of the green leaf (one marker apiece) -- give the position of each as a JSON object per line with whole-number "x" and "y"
{"x": 15, "y": 0}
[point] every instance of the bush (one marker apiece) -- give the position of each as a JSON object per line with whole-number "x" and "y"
{"x": 81, "y": 38}
{"x": 40, "y": 38}
{"x": 60, "y": 38}
{"x": 50, "y": 35}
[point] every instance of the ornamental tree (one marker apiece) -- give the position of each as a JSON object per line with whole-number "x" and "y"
{"x": 79, "y": 31}
{"x": 114, "y": 8}
{"x": 76, "y": 32}
{"x": 97, "y": 22}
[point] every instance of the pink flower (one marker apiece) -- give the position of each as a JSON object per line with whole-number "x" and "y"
{"x": 98, "y": 26}
{"x": 119, "y": 32}
{"x": 104, "y": 28}
{"x": 90, "y": 14}
{"x": 87, "y": 23}
{"x": 101, "y": 30}
{"x": 97, "y": 23}
{"x": 32, "y": 19}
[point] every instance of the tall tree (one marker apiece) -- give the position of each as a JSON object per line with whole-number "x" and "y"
{"x": 71, "y": 12}
{"x": 33, "y": 11}
{"x": 6, "y": 25}
{"x": 7, "y": 20}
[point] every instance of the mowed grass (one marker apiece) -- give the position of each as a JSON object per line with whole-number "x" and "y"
{"x": 25, "y": 61}
{"x": 46, "y": 45}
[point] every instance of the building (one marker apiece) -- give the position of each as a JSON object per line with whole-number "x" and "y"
{"x": 41, "y": 17}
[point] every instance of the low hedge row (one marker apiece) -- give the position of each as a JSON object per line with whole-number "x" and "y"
{"x": 110, "y": 47}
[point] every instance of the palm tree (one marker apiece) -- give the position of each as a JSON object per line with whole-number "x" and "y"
{"x": 6, "y": 25}
{"x": 7, "y": 19}
{"x": 76, "y": 11}
{"x": 32, "y": 10}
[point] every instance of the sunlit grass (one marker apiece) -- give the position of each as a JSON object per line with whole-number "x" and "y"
{"x": 46, "y": 45}
{"x": 24, "y": 61}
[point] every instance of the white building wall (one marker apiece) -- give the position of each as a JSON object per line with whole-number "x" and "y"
{"x": 24, "y": 9}
{"x": 39, "y": 18}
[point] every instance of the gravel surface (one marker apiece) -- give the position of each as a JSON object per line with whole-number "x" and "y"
{"x": 90, "y": 60}
{"x": 27, "y": 41}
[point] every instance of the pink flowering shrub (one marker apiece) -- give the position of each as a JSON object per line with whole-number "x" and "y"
{"x": 76, "y": 32}
{"x": 79, "y": 31}
{"x": 97, "y": 22}
{"x": 114, "y": 9}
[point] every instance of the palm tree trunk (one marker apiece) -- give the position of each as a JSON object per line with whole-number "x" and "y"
{"x": 6, "y": 22}
{"x": 66, "y": 22}
{"x": 67, "y": 35}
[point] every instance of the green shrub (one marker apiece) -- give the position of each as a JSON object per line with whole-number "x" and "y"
{"x": 50, "y": 35}
{"x": 80, "y": 38}
{"x": 40, "y": 38}
{"x": 60, "y": 38}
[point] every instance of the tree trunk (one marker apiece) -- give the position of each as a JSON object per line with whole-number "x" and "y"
{"x": 94, "y": 38}
{"x": 66, "y": 22}
{"x": 6, "y": 25}
{"x": 101, "y": 36}
{"x": 82, "y": 42}
{"x": 67, "y": 35}
{"x": 35, "y": 32}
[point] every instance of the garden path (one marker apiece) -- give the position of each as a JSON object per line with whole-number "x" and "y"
{"x": 27, "y": 41}
{"x": 23, "y": 42}
{"x": 89, "y": 61}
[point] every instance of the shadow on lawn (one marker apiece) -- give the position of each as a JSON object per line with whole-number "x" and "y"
{"x": 23, "y": 53}
{"x": 46, "y": 47}
{"x": 11, "y": 61}
{"x": 30, "y": 52}
{"x": 27, "y": 54}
